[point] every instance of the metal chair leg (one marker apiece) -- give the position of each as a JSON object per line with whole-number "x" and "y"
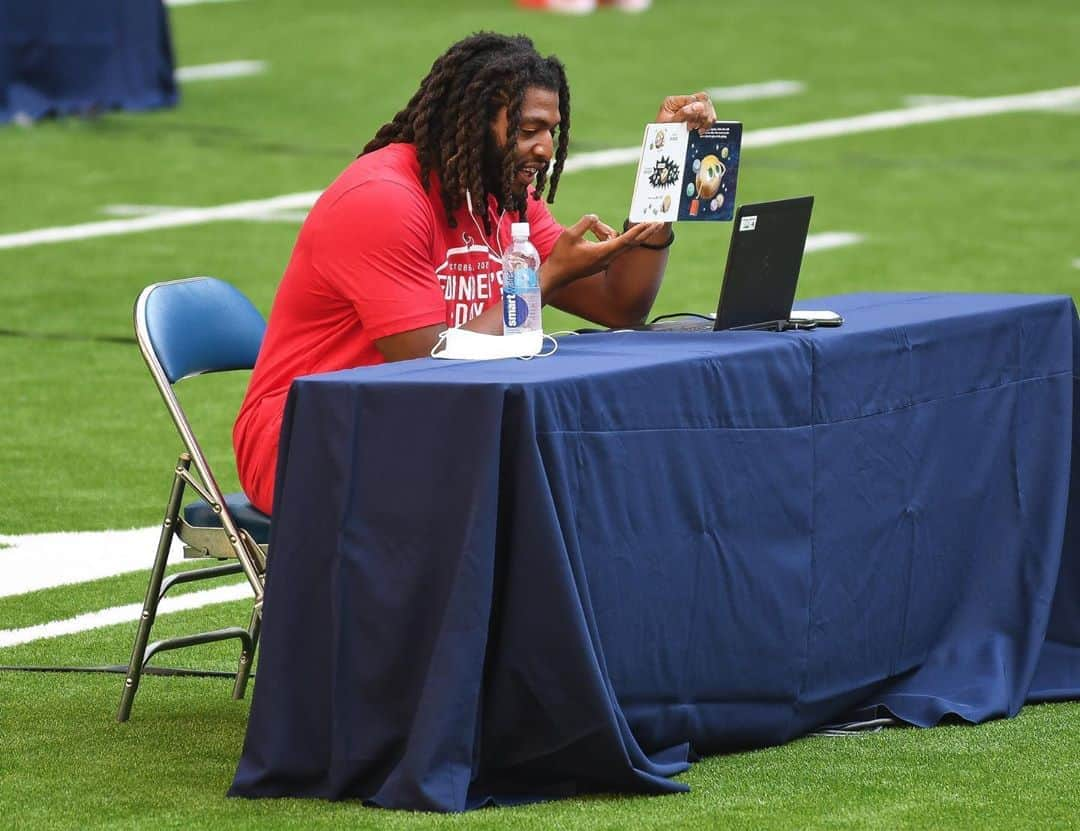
{"x": 247, "y": 656}
{"x": 153, "y": 591}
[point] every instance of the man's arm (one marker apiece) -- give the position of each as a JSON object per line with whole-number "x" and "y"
{"x": 624, "y": 292}
{"x": 572, "y": 259}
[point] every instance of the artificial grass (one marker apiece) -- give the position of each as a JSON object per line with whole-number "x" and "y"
{"x": 67, "y": 764}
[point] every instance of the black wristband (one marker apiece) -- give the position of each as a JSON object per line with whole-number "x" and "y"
{"x": 626, "y": 227}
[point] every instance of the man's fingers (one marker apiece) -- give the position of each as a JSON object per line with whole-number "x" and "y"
{"x": 710, "y": 110}
{"x": 610, "y": 240}
{"x": 698, "y": 114}
{"x": 583, "y": 225}
{"x": 611, "y": 248}
{"x": 677, "y": 102}
{"x": 591, "y": 222}
{"x": 657, "y": 235}
{"x": 642, "y": 231}
{"x": 603, "y": 231}
{"x": 696, "y": 110}
{"x": 707, "y": 115}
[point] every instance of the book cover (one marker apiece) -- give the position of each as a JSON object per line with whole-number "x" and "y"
{"x": 687, "y": 174}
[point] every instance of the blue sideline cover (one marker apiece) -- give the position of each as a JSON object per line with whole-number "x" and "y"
{"x": 62, "y": 57}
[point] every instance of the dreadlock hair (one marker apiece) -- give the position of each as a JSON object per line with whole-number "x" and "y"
{"x": 448, "y": 118}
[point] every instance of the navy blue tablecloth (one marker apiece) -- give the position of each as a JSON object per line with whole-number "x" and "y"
{"x": 60, "y": 57}
{"x": 495, "y": 581}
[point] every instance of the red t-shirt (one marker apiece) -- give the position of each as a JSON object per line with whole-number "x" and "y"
{"x": 375, "y": 257}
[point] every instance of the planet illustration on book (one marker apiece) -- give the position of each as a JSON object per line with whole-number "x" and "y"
{"x": 709, "y": 176}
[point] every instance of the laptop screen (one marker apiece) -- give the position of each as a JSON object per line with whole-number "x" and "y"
{"x": 762, "y": 271}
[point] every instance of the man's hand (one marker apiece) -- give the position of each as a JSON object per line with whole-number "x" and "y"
{"x": 696, "y": 110}
{"x": 574, "y": 257}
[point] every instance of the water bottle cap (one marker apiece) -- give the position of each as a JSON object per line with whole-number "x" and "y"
{"x": 519, "y": 230}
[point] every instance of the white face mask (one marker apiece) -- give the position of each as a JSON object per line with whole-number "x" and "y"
{"x": 465, "y": 345}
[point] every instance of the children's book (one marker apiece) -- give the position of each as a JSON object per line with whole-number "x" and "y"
{"x": 687, "y": 174}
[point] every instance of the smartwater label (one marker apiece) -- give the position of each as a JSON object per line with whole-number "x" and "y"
{"x": 522, "y": 285}
{"x": 515, "y": 311}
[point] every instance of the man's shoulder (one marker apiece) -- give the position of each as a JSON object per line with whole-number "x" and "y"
{"x": 390, "y": 172}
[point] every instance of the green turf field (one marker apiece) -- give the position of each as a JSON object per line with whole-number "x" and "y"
{"x": 960, "y": 204}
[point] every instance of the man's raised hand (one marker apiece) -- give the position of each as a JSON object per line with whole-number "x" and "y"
{"x": 696, "y": 110}
{"x": 574, "y": 256}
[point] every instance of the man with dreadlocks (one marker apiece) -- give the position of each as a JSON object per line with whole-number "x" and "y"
{"x": 405, "y": 242}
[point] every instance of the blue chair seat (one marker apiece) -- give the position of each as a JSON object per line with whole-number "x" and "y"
{"x": 246, "y": 515}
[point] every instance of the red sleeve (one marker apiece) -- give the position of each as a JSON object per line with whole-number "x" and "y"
{"x": 543, "y": 228}
{"x": 374, "y": 245}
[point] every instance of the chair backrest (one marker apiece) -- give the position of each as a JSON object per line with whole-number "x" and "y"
{"x": 190, "y": 327}
{"x": 198, "y": 325}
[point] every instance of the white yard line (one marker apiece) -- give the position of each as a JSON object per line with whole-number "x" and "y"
{"x": 926, "y": 114}
{"x": 41, "y": 561}
{"x": 870, "y": 122}
{"x": 122, "y": 614}
{"x": 294, "y": 217}
{"x": 174, "y": 219}
{"x": 750, "y": 92}
{"x": 770, "y": 137}
{"x": 217, "y": 71}
{"x": 922, "y": 100}
{"x": 1076, "y": 263}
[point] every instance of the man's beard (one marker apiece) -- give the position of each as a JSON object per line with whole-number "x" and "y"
{"x": 492, "y": 171}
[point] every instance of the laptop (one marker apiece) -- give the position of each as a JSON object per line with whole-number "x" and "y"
{"x": 762, "y": 271}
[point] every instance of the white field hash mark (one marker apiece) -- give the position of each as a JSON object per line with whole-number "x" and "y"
{"x": 769, "y": 137}
{"x": 831, "y": 239}
{"x": 751, "y": 92}
{"x": 294, "y": 217}
{"x": 218, "y": 71}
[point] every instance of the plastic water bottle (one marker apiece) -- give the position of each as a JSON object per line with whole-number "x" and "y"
{"x": 521, "y": 283}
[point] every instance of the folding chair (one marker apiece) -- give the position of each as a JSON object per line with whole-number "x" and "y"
{"x": 186, "y": 328}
